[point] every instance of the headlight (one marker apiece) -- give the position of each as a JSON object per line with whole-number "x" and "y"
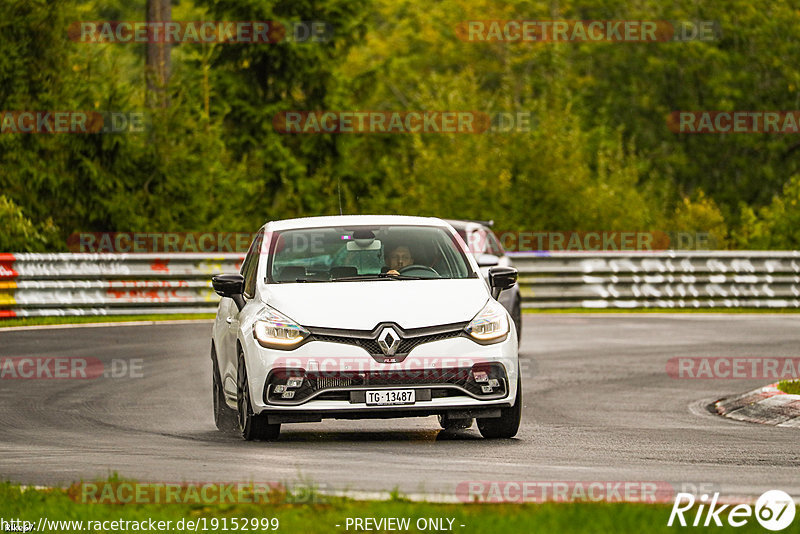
{"x": 276, "y": 331}
{"x": 490, "y": 325}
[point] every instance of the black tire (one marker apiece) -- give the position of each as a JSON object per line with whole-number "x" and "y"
{"x": 253, "y": 427}
{"x": 224, "y": 416}
{"x": 516, "y": 316}
{"x": 454, "y": 424}
{"x": 507, "y": 425}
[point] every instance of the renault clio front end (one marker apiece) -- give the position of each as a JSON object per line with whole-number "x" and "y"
{"x": 354, "y": 317}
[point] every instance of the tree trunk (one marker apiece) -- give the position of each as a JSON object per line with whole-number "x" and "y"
{"x": 157, "y": 68}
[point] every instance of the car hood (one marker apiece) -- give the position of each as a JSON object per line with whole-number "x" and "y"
{"x": 362, "y": 305}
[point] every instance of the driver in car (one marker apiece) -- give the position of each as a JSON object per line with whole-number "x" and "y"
{"x": 399, "y": 257}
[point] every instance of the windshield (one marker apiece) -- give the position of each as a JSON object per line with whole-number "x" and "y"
{"x": 339, "y": 254}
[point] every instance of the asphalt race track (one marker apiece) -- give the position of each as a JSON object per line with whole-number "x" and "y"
{"x": 599, "y": 405}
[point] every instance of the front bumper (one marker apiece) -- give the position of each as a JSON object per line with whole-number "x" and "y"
{"x": 336, "y": 376}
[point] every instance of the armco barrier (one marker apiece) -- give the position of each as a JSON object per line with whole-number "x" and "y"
{"x": 114, "y": 284}
{"x": 665, "y": 279}
{"x": 110, "y": 284}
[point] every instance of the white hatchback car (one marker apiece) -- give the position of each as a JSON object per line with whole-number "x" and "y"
{"x": 363, "y": 316}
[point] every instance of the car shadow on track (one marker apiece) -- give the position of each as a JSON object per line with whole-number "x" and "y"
{"x": 362, "y": 436}
{"x": 378, "y": 435}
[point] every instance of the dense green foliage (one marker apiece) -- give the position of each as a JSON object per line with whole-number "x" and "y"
{"x": 790, "y": 386}
{"x": 599, "y": 155}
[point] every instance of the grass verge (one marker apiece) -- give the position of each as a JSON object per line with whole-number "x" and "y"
{"x": 331, "y": 515}
{"x": 790, "y": 386}
{"x": 80, "y": 319}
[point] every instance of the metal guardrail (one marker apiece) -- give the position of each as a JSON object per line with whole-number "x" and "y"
{"x": 123, "y": 284}
{"x": 666, "y": 279}
{"x": 110, "y": 284}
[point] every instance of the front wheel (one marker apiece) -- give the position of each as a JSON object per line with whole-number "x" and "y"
{"x": 224, "y": 417}
{"x": 507, "y": 425}
{"x": 252, "y": 426}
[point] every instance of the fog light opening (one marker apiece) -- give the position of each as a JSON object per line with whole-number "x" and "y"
{"x": 480, "y": 376}
{"x": 294, "y": 382}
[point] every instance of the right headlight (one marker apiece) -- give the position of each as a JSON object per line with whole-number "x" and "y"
{"x": 274, "y": 330}
{"x": 490, "y": 325}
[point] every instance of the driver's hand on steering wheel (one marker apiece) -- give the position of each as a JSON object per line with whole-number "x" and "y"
{"x": 392, "y": 271}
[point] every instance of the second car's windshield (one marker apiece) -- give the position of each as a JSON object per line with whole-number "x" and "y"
{"x": 361, "y": 252}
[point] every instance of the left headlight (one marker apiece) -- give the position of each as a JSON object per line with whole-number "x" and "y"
{"x": 274, "y": 330}
{"x": 490, "y": 325}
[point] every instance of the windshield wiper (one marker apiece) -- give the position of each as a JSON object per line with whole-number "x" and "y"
{"x": 376, "y": 276}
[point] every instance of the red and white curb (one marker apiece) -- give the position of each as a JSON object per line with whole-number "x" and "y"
{"x": 767, "y": 405}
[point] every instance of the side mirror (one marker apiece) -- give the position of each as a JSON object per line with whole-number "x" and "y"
{"x": 230, "y": 286}
{"x": 487, "y": 260}
{"x": 501, "y": 278}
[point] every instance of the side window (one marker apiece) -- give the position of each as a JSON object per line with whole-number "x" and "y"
{"x": 494, "y": 246}
{"x": 478, "y": 242}
{"x": 250, "y": 265}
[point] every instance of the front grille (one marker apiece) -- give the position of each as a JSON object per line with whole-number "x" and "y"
{"x": 407, "y": 344}
{"x": 370, "y": 345}
{"x": 324, "y": 382}
{"x": 446, "y": 382}
{"x": 334, "y": 395}
{"x": 409, "y": 339}
{"x": 456, "y": 377}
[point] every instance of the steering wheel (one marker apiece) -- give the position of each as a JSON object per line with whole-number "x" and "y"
{"x": 416, "y": 267}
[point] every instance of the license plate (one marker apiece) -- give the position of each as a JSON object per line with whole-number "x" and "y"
{"x": 386, "y": 397}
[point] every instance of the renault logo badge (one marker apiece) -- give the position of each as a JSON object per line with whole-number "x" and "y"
{"x": 388, "y": 341}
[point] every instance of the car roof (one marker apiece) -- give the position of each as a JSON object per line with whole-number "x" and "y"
{"x": 354, "y": 220}
{"x": 465, "y": 225}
